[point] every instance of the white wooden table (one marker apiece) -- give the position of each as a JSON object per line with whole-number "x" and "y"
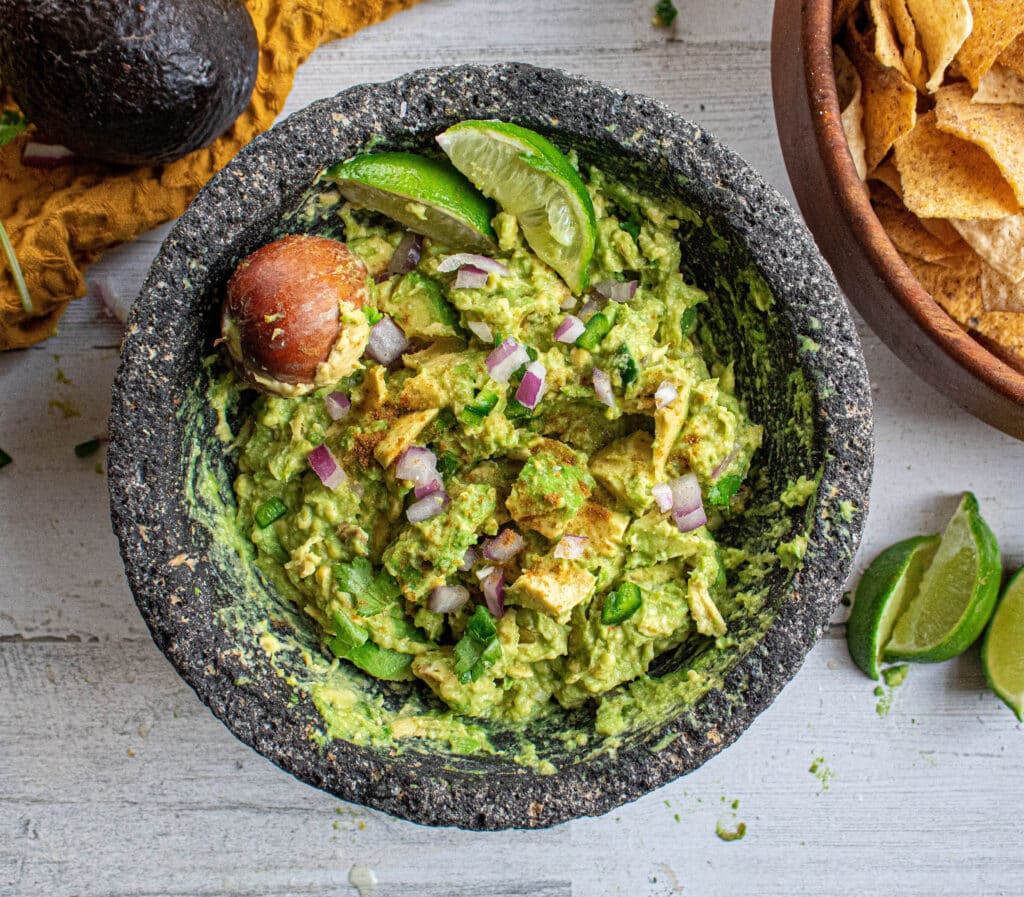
{"x": 116, "y": 780}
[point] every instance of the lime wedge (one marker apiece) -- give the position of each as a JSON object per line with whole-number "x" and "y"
{"x": 1002, "y": 653}
{"x": 425, "y": 195}
{"x": 883, "y": 593}
{"x": 957, "y": 592}
{"x": 530, "y": 178}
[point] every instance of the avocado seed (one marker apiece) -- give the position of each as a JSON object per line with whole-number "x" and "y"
{"x": 292, "y": 319}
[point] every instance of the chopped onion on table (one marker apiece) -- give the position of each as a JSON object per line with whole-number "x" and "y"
{"x": 406, "y": 255}
{"x": 470, "y": 278}
{"x": 569, "y": 330}
{"x": 689, "y": 521}
{"x": 469, "y": 559}
{"x": 504, "y": 546}
{"x": 665, "y": 394}
{"x": 418, "y": 464}
{"x": 337, "y": 405}
{"x": 481, "y": 331}
{"x": 570, "y": 547}
{"x": 427, "y": 507}
{"x": 508, "y": 358}
{"x": 445, "y": 599}
{"x": 46, "y": 155}
{"x": 326, "y": 466}
{"x": 482, "y": 262}
{"x": 662, "y": 493}
{"x": 494, "y": 591}
{"x": 534, "y": 382}
{"x": 685, "y": 494}
{"x": 617, "y": 292}
{"x": 387, "y": 341}
{"x": 603, "y": 387}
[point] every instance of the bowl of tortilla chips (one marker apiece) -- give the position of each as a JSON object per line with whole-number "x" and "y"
{"x": 902, "y": 127}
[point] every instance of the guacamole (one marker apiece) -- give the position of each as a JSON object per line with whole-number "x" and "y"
{"x": 498, "y": 538}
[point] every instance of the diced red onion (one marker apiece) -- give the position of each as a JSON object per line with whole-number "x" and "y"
{"x": 387, "y": 341}
{"x": 504, "y": 546}
{"x": 46, "y": 155}
{"x": 470, "y": 278}
{"x": 617, "y": 292}
{"x": 569, "y": 330}
{"x": 484, "y": 572}
{"x": 445, "y": 599}
{"x": 589, "y": 307}
{"x": 534, "y": 383}
{"x": 570, "y": 547}
{"x": 427, "y": 489}
{"x": 469, "y": 559}
{"x": 665, "y": 394}
{"x": 725, "y": 462}
{"x": 407, "y": 254}
{"x": 494, "y": 592}
{"x": 481, "y": 331}
{"x": 689, "y": 521}
{"x": 427, "y": 507}
{"x": 418, "y": 464}
{"x": 662, "y": 493}
{"x": 508, "y": 358}
{"x": 685, "y": 493}
{"x": 483, "y": 262}
{"x": 326, "y": 466}
{"x": 568, "y": 303}
{"x": 337, "y": 405}
{"x": 603, "y": 387}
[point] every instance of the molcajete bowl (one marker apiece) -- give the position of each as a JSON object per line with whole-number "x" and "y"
{"x": 261, "y": 668}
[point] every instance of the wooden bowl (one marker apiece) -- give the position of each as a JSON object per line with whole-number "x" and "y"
{"x": 838, "y": 212}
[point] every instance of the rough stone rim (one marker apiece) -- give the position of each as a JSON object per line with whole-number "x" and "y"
{"x": 261, "y": 181}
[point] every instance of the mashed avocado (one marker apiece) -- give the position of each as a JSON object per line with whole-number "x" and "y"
{"x": 549, "y": 508}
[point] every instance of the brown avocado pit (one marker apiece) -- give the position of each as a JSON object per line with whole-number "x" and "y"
{"x": 129, "y": 83}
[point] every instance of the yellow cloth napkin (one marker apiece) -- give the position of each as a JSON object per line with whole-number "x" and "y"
{"x": 62, "y": 219}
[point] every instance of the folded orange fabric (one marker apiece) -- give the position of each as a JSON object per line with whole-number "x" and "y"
{"x": 62, "y": 219}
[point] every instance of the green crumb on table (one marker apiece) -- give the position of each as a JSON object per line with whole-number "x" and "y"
{"x": 879, "y": 691}
{"x": 675, "y": 816}
{"x": 846, "y": 600}
{"x": 735, "y": 834}
{"x": 895, "y": 676}
{"x": 68, "y": 409}
{"x": 665, "y": 13}
{"x": 821, "y": 772}
{"x": 87, "y": 448}
{"x": 5, "y": 459}
{"x": 735, "y": 804}
{"x": 61, "y": 377}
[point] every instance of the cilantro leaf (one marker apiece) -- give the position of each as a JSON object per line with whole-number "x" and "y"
{"x": 721, "y": 493}
{"x": 12, "y": 124}
{"x": 665, "y": 13}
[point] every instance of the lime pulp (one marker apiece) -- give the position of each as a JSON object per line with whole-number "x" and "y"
{"x": 1002, "y": 653}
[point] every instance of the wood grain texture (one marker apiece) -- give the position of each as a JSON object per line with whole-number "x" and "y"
{"x": 116, "y": 781}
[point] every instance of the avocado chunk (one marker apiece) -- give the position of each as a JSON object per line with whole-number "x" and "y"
{"x": 418, "y": 306}
{"x": 130, "y": 83}
{"x": 548, "y": 493}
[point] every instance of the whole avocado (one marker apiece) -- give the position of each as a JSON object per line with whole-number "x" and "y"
{"x": 134, "y": 83}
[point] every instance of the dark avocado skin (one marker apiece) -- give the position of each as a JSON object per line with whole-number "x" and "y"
{"x": 133, "y": 82}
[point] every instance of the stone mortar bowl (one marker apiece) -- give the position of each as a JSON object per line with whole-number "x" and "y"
{"x": 776, "y": 314}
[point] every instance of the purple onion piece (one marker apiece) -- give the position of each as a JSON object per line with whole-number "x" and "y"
{"x": 417, "y": 464}
{"x": 570, "y": 547}
{"x": 494, "y": 592}
{"x": 685, "y": 494}
{"x": 469, "y": 559}
{"x": 337, "y": 405}
{"x": 531, "y": 388}
{"x": 617, "y": 292}
{"x": 481, "y": 331}
{"x": 445, "y": 599}
{"x": 46, "y": 155}
{"x": 407, "y": 254}
{"x": 689, "y": 521}
{"x": 481, "y": 262}
{"x": 569, "y": 330}
{"x": 725, "y": 462}
{"x": 470, "y": 278}
{"x": 427, "y": 507}
{"x": 427, "y": 489}
{"x": 504, "y": 361}
{"x": 662, "y": 493}
{"x": 326, "y": 466}
{"x": 588, "y": 308}
{"x": 387, "y": 341}
{"x": 504, "y": 546}
{"x": 603, "y": 387}
{"x": 665, "y": 394}
{"x": 568, "y": 303}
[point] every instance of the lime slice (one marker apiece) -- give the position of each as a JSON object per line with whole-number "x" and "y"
{"x": 530, "y": 178}
{"x": 883, "y": 593}
{"x": 957, "y": 592}
{"x": 425, "y": 195}
{"x": 1002, "y": 653}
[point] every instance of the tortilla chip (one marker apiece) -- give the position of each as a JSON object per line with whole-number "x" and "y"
{"x": 848, "y": 88}
{"x": 943, "y": 26}
{"x": 890, "y": 101}
{"x": 887, "y": 48}
{"x": 910, "y": 237}
{"x": 999, "y": 242}
{"x": 942, "y": 230}
{"x": 841, "y": 12}
{"x": 888, "y": 175}
{"x": 946, "y": 177}
{"x": 913, "y": 58}
{"x": 999, "y": 293}
{"x": 957, "y": 290}
{"x": 996, "y": 23}
{"x": 1000, "y": 85}
{"x": 1013, "y": 56}
{"x": 999, "y": 130}
{"x": 882, "y": 196}
{"x": 1003, "y": 333}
